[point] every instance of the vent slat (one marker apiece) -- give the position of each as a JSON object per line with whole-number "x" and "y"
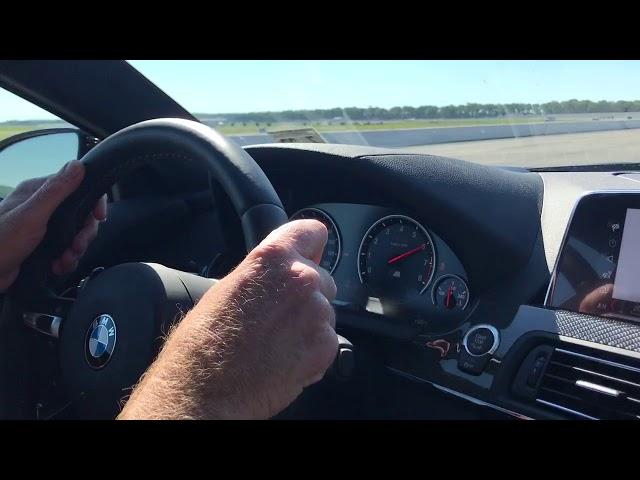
{"x": 574, "y": 373}
{"x": 590, "y": 387}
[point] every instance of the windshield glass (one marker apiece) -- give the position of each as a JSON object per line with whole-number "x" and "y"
{"x": 515, "y": 113}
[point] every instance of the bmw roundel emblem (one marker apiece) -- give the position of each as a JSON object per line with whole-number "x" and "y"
{"x": 101, "y": 341}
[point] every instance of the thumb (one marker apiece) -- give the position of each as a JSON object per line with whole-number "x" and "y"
{"x": 308, "y": 237}
{"x": 54, "y": 191}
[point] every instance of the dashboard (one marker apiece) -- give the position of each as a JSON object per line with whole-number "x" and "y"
{"x": 473, "y": 279}
{"x": 509, "y": 290}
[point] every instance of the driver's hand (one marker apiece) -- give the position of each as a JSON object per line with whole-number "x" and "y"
{"x": 253, "y": 342}
{"x": 24, "y": 215}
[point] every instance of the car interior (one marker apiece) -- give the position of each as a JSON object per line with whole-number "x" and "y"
{"x": 465, "y": 291}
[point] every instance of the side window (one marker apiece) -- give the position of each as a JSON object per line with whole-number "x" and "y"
{"x": 33, "y": 142}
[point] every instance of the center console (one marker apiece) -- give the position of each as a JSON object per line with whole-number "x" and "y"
{"x": 575, "y": 356}
{"x": 588, "y": 366}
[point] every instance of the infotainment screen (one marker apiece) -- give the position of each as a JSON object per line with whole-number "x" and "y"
{"x": 626, "y": 285}
{"x": 598, "y": 271}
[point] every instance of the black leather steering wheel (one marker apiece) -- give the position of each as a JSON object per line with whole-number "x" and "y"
{"x": 153, "y": 141}
{"x": 113, "y": 330}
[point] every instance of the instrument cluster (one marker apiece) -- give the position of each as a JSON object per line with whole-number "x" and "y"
{"x": 388, "y": 263}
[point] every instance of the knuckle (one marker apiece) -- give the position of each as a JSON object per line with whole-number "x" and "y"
{"x": 272, "y": 252}
{"x": 307, "y": 277}
{"x": 333, "y": 288}
{"x": 19, "y": 222}
{"x": 29, "y": 185}
{"x": 331, "y": 315}
{"x": 23, "y": 186}
{"x": 322, "y": 309}
{"x": 54, "y": 184}
{"x": 270, "y": 261}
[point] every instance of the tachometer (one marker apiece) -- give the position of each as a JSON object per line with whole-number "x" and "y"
{"x": 331, "y": 254}
{"x": 396, "y": 256}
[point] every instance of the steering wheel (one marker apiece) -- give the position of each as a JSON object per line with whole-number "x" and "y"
{"x": 112, "y": 331}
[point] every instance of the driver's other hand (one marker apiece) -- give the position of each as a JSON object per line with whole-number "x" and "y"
{"x": 253, "y": 342}
{"x": 24, "y": 215}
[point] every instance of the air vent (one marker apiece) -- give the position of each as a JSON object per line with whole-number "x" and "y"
{"x": 590, "y": 388}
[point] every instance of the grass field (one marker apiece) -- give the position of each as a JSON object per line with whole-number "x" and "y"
{"x": 10, "y": 130}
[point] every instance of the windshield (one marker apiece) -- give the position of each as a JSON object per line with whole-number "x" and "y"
{"x": 515, "y": 113}
{"x": 511, "y": 113}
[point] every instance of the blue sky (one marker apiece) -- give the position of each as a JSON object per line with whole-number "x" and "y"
{"x": 263, "y": 85}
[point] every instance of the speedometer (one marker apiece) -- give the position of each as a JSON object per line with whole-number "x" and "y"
{"x": 396, "y": 257}
{"x": 331, "y": 254}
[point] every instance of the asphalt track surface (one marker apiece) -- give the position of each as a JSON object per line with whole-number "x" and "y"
{"x": 618, "y": 146}
{"x": 400, "y": 138}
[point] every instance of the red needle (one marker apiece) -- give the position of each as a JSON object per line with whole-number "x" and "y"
{"x": 406, "y": 254}
{"x": 447, "y": 302}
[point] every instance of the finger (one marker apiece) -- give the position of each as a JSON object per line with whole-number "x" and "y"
{"x": 326, "y": 312}
{"x": 56, "y": 267}
{"x": 308, "y": 237}
{"x": 65, "y": 264}
{"x": 327, "y": 284}
{"x": 30, "y": 185}
{"x": 71, "y": 256}
{"x": 54, "y": 190}
{"x": 100, "y": 210}
{"x": 85, "y": 236}
{"x": 21, "y": 193}
{"x": 320, "y": 313}
{"x": 325, "y": 348}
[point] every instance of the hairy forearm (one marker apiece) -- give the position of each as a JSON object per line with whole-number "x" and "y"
{"x": 190, "y": 377}
{"x": 183, "y": 381}
{"x": 253, "y": 342}
{"x": 167, "y": 389}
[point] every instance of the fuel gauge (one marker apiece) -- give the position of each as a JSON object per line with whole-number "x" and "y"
{"x": 451, "y": 293}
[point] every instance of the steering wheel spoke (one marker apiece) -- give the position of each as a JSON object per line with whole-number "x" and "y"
{"x": 48, "y": 315}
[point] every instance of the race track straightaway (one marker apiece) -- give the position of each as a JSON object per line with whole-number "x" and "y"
{"x": 617, "y": 146}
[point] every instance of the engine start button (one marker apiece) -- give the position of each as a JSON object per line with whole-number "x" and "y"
{"x": 481, "y": 340}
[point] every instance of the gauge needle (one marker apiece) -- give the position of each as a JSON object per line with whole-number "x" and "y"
{"x": 447, "y": 301}
{"x": 406, "y": 254}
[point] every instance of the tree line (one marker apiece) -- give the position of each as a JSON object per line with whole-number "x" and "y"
{"x": 469, "y": 110}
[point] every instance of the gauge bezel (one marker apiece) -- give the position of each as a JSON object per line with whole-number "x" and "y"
{"x": 444, "y": 277}
{"x": 424, "y": 230}
{"x": 335, "y": 228}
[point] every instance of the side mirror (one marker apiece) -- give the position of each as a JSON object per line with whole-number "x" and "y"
{"x": 38, "y": 153}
